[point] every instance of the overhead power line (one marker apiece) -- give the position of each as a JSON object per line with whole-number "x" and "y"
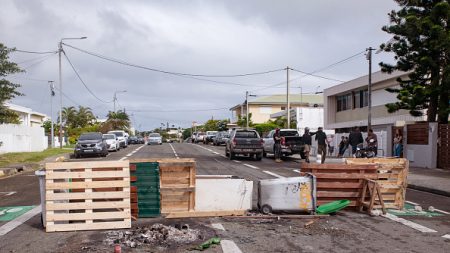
{"x": 181, "y": 110}
{"x": 79, "y": 77}
{"x": 169, "y": 72}
{"x": 33, "y": 52}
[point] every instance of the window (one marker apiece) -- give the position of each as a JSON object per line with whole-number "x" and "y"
{"x": 265, "y": 109}
{"x": 344, "y": 102}
{"x": 360, "y": 99}
{"x": 283, "y": 108}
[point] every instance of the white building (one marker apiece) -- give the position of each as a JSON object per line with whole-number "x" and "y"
{"x": 27, "y": 116}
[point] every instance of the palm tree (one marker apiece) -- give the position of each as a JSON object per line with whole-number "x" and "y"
{"x": 68, "y": 116}
{"x": 118, "y": 120}
{"x": 84, "y": 116}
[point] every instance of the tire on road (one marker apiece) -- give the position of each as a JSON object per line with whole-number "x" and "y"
{"x": 266, "y": 209}
{"x": 232, "y": 155}
{"x": 258, "y": 157}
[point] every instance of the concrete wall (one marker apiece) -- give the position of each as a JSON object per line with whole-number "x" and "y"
{"x": 424, "y": 156}
{"x": 18, "y": 138}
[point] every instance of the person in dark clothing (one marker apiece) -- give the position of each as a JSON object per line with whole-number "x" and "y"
{"x": 355, "y": 138}
{"x": 277, "y": 147}
{"x": 341, "y": 147}
{"x": 372, "y": 141}
{"x": 307, "y": 140}
{"x": 322, "y": 142}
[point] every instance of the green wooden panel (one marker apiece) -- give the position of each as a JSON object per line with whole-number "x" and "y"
{"x": 147, "y": 182}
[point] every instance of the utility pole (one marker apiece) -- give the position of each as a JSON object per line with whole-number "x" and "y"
{"x": 60, "y": 94}
{"x": 288, "y": 104}
{"x": 369, "y": 89}
{"x": 246, "y": 109}
{"x": 115, "y": 97}
{"x": 52, "y": 94}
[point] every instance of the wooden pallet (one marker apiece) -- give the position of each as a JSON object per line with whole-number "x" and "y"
{"x": 87, "y": 196}
{"x": 392, "y": 176}
{"x": 133, "y": 194}
{"x": 177, "y": 185}
{"x": 340, "y": 181}
{"x": 371, "y": 190}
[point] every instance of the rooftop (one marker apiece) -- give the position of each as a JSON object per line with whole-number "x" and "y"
{"x": 281, "y": 99}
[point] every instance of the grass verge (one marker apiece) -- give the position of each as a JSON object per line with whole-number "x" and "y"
{"x": 30, "y": 157}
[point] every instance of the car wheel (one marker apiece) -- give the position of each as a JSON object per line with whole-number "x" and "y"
{"x": 226, "y": 152}
{"x": 264, "y": 154}
{"x": 258, "y": 157}
{"x": 266, "y": 209}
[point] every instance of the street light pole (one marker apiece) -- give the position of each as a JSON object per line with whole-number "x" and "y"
{"x": 60, "y": 50}
{"x": 246, "y": 109}
{"x": 115, "y": 97}
{"x": 288, "y": 104}
{"x": 369, "y": 89}
{"x": 52, "y": 94}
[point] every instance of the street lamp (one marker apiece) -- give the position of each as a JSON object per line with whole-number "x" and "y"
{"x": 52, "y": 94}
{"x": 60, "y": 50}
{"x": 115, "y": 97}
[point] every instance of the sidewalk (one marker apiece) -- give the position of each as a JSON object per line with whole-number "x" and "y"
{"x": 436, "y": 181}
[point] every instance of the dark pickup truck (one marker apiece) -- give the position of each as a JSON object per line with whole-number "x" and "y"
{"x": 291, "y": 143}
{"x": 244, "y": 142}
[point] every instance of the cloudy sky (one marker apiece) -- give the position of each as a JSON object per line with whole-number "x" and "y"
{"x": 210, "y": 38}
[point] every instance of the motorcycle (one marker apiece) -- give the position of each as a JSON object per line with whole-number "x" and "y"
{"x": 365, "y": 152}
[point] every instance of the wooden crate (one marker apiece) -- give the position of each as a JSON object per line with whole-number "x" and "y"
{"x": 87, "y": 196}
{"x": 392, "y": 176}
{"x": 340, "y": 181}
{"x": 177, "y": 185}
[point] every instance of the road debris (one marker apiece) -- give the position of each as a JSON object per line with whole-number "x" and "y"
{"x": 157, "y": 234}
{"x": 207, "y": 244}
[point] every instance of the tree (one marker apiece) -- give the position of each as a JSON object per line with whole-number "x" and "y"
{"x": 211, "y": 125}
{"x": 84, "y": 117}
{"x": 116, "y": 121}
{"x": 8, "y": 90}
{"x": 242, "y": 120}
{"x": 421, "y": 44}
{"x": 69, "y": 116}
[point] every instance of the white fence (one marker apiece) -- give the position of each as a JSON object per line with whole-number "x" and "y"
{"x": 17, "y": 138}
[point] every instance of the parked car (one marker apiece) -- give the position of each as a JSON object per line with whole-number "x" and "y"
{"x": 154, "y": 139}
{"x": 133, "y": 140}
{"x": 199, "y": 137}
{"x": 244, "y": 142}
{"x": 141, "y": 140}
{"x": 91, "y": 144}
{"x": 121, "y": 136}
{"x": 209, "y": 137}
{"x": 112, "y": 142}
{"x": 221, "y": 138}
{"x": 291, "y": 143}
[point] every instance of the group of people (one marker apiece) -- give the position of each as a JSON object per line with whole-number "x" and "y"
{"x": 354, "y": 139}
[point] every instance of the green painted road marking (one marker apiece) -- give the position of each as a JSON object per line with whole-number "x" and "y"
{"x": 410, "y": 211}
{"x": 9, "y": 213}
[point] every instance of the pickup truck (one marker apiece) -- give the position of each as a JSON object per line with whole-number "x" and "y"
{"x": 291, "y": 143}
{"x": 244, "y": 142}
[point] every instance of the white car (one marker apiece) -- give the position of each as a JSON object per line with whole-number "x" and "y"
{"x": 154, "y": 138}
{"x": 121, "y": 137}
{"x": 112, "y": 142}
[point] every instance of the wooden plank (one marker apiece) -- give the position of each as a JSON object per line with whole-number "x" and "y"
{"x": 197, "y": 214}
{"x": 83, "y": 205}
{"x": 80, "y": 175}
{"x": 92, "y": 226}
{"x": 331, "y": 166}
{"x": 88, "y": 216}
{"x": 335, "y": 185}
{"x": 83, "y": 185}
{"x": 321, "y": 194}
{"x": 345, "y": 176}
{"x": 177, "y": 188}
{"x": 86, "y": 164}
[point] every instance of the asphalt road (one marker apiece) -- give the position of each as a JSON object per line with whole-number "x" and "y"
{"x": 344, "y": 232}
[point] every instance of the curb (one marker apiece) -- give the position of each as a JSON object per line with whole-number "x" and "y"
{"x": 430, "y": 190}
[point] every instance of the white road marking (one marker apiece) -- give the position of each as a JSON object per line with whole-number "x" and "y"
{"x": 447, "y": 236}
{"x": 296, "y": 171}
{"x": 229, "y": 246}
{"x": 224, "y": 156}
{"x": 174, "y": 152}
{"x": 19, "y": 220}
{"x": 217, "y": 226}
{"x": 123, "y": 158}
{"x": 273, "y": 174}
{"x": 236, "y": 161}
{"x": 408, "y": 223}
{"x": 8, "y": 193}
{"x": 412, "y": 203}
{"x": 251, "y": 166}
{"x": 214, "y": 152}
{"x": 437, "y": 210}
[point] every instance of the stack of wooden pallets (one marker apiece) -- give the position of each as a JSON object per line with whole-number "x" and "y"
{"x": 392, "y": 176}
{"x": 340, "y": 181}
{"x": 87, "y": 196}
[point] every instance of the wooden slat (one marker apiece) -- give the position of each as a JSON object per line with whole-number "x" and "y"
{"x": 83, "y": 185}
{"x": 79, "y": 175}
{"x": 345, "y": 176}
{"x": 78, "y": 165}
{"x": 191, "y": 214}
{"x": 308, "y": 166}
{"x": 84, "y": 205}
{"x": 85, "y": 195}
{"x": 92, "y": 226}
{"x": 85, "y": 216}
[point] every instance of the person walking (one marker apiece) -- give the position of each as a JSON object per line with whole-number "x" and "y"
{"x": 341, "y": 146}
{"x": 354, "y": 139}
{"x": 372, "y": 141}
{"x": 307, "y": 140}
{"x": 322, "y": 142}
{"x": 277, "y": 146}
{"x": 398, "y": 143}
